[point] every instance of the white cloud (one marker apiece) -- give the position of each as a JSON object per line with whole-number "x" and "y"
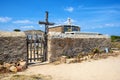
{"x": 27, "y": 27}
{"x": 5, "y": 19}
{"x": 69, "y": 9}
{"x": 102, "y": 9}
{"x": 107, "y": 25}
{"x": 62, "y": 21}
{"x": 23, "y": 22}
{"x": 110, "y": 25}
{"x": 98, "y": 8}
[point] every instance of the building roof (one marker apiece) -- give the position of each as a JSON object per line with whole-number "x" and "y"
{"x": 62, "y": 26}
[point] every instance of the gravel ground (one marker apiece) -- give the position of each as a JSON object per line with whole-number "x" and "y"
{"x": 103, "y": 69}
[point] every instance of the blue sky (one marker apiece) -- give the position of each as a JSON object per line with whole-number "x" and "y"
{"x": 101, "y": 16}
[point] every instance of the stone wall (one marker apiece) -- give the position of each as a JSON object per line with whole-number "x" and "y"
{"x": 12, "y": 46}
{"x": 69, "y": 46}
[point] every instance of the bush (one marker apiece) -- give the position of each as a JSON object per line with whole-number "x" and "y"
{"x": 17, "y": 30}
{"x": 115, "y": 38}
{"x": 96, "y": 50}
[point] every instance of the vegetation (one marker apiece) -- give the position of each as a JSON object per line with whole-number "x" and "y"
{"x": 115, "y": 45}
{"x": 115, "y": 42}
{"x": 24, "y": 77}
{"x": 31, "y": 77}
{"x": 81, "y": 55}
{"x": 115, "y": 38}
{"x": 95, "y": 50}
{"x": 17, "y": 30}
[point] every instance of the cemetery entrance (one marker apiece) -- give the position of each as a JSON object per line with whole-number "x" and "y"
{"x": 35, "y": 48}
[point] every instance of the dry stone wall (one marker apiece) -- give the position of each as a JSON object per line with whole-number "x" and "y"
{"x": 71, "y": 46}
{"x": 12, "y": 46}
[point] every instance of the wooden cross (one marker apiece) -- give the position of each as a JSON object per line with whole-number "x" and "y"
{"x": 46, "y": 23}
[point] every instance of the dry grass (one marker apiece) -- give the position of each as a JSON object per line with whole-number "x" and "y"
{"x": 4, "y": 75}
{"x": 30, "y": 77}
{"x": 24, "y": 77}
{"x": 115, "y": 45}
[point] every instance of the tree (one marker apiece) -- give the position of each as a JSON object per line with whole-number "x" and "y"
{"x": 17, "y": 30}
{"x": 115, "y": 38}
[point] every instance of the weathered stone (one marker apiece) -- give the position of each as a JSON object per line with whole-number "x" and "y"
{"x": 13, "y": 69}
{"x": 7, "y": 65}
{"x": 72, "y": 60}
{"x": 23, "y": 64}
{"x": 12, "y": 46}
{"x": 19, "y": 68}
{"x": 63, "y": 59}
{"x": 71, "y": 47}
{"x": 85, "y": 58}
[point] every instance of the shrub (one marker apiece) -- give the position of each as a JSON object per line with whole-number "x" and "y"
{"x": 17, "y": 30}
{"x": 80, "y": 55}
{"x": 115, "y": 38}
{"x": 96, "y": 50}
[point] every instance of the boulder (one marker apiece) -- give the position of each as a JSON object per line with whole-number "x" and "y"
{"x": 23, "y": 64}
{"x": 63, "y": 59}
{"x": 13, "y": 69}
{"x": 72, "y": 60}
{"x": 7, "y": 65}
{"x": 19, "y": 68}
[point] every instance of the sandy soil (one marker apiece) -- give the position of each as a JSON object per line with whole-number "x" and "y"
{"x": 103, "y": 69}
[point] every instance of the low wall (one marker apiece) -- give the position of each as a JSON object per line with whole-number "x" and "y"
{"x": 58, "y": 46}
{"x": 12, "y": 46}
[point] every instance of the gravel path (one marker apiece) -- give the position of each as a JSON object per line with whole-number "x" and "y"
{"x": 104, "y": 69}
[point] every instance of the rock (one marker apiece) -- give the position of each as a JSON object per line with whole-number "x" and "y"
{"x": 1, "y": 66}
{"x": 87, "y": 57}
{"x": 68, "y": 61}
{"x": 84, "y": 58}
{"x": 13, "y": 69}
{"x": 63, "y": 59}
{"x": 23, "y": 64}
{"x": 12, "y": 63}
{"x": 19, "y": 68}
{"x": 7, "y": 65}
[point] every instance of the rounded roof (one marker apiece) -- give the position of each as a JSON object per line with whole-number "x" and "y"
{"x": 63, "y": 26}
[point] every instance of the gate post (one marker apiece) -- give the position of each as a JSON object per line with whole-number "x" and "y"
{"x": 27, "y": 51}
{"x": 46, "y": 23}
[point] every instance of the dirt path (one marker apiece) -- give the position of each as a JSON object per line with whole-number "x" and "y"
{"x": 104, "y": 69}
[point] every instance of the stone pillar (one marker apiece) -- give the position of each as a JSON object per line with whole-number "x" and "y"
{"x": 49, "y": 50}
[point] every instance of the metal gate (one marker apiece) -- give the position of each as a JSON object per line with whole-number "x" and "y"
{"x": 35, "y": 48}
